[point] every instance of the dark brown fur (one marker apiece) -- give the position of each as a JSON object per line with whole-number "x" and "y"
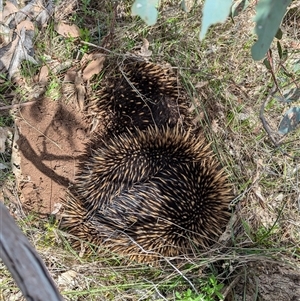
{"x": 139, "y": 95}
{"x": 151, "y": 193}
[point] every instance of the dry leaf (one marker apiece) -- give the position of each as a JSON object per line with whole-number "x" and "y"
{"x": 261, "y": 198}
{"x": 18, "y": 50}
{"x": 85, "y": 59}
{"x": 227, "y": 234}
{"x": 43, "y": 13}
{"x": 36, "y": 11}
{"x": 8, "y": 9}
{"x": 145, "y": 52}
{"x": 63, "y": 9}
{"x": 43, "y": 75}
{"x": 57, "y": 207}
{"x": 93, "y": 67}
{"x": 16, "y": 158}
{"x": 26, "y": 24}
{"x": 67, "y": 30}
{"x": 19, "y": 47}
{"x": 67, "y": 279}
{"x": 200, "y": 85}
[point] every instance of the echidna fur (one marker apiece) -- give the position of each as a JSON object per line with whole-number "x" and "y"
{"x": 135, "y": 157}
{"x": 149, "y": 193}
{"x": 140, "y": 95}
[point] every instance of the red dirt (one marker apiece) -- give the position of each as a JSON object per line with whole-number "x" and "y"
{"x": 52, "y": 135}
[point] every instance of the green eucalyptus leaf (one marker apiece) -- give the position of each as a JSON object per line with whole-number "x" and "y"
{"x": 214, "y": 11}
{"x": 279, "y": 34}
{"x": 290, "y": 120}
{"x": 238, "y": 7}
{"x": 269, "y": 14}
{"x": 146, "y": 9}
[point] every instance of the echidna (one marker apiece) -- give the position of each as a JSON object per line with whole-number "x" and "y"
{"x": 139, "y": 95}
{"x": 154, "y": 192}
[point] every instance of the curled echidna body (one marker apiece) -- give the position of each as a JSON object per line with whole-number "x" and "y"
{"x": 149, "y": 193}
{"x": 139, "y": 95}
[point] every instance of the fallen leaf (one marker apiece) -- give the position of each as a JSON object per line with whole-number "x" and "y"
{"x": 200, "y": 85}
{"x": 63, "y": 9}
{"x": 261, "y": 198}
{"x": 19, "y": 47}
{"x": 67, "y": 278}
{"x": 5, "y": 34}
{"x": 145, "y": 52}
{"x": 16, "y": 51}
{"x": 43, "y": 75}
{"x": 36, "y": 11}
{"x": 93, "y": 67}
{"x": 67, "y": 30}
{"x": 227, "y": 234}
{"x": 8, "y": 9}
{"x": 43, "y": 13}
{"x": 26, "y": 24}
{"x": 16, "y": 158}
{"x": 85, "y": 59}
{"x": 57, "y": 207}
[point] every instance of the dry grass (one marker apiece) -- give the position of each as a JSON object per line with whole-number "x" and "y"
{"x": 227, "y": 89}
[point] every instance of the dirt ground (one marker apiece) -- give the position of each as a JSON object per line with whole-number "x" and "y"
{"x": 52, "y": 135}
{"x": 267, "y": 282}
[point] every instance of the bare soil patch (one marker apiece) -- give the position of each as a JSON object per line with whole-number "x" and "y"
{"x": 269, "y": 282}
{"x": 52, "y": 136}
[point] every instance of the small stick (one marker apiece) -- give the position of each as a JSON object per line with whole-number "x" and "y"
{"x": 262, "y": 117}
{"x": 18, "y": 105}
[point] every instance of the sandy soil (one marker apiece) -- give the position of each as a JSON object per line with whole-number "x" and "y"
{"x": 52, "y": 135}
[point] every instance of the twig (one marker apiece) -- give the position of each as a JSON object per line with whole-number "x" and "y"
{"x": 182, "y": 275}
{"x": 262, "y": 117}
{"x": 231, "y": 285}
{"x": 271, "y": 70}
{"x": 18, "y": 105}
{"x": 102, "y": 48}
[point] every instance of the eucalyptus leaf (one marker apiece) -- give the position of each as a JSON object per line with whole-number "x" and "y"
{"x": 214, "y": 11}
{"x": 146, "y": 9}
{"x": 289, "y": 95}
{"x": 269, "y": 14}
{"x": 238, "y": 7}
{"x": 290, "y": 121}
{"x": 296, "y": 66}
{"x": 279, "y": 34}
